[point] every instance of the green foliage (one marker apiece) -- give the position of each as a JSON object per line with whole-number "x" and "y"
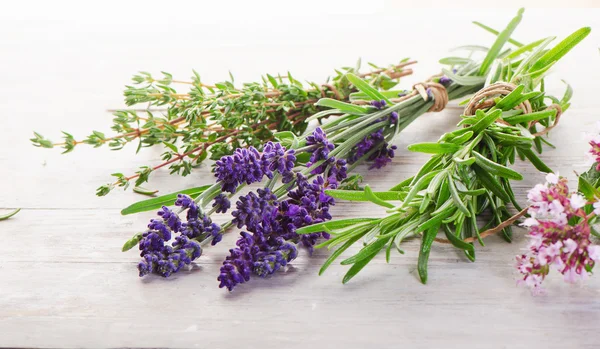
{"x": 469, "y": 171}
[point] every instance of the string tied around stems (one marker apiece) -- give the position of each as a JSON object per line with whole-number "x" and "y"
{"x": 484, "y": 99}
{"x": 437, "y": 92}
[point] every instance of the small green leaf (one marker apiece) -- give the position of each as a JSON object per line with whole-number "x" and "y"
{"x": 337, "y": 253}
{"x": 486, "y": 120}
{"x": 374, "y": 199}
{"x": 356, "y": 195}
{"x": 434, "y": 148}
{"x": 129, "y": 244}
{"x": 502, "y": 38}
{"x": 363, "y": 86}
{"x": 164, "y": 200}
{"x": 458, "y": 243}
{"x": 464, "y": 80}
{"x": 333, "y": 225}
{"x": 561, "y": 49}
{"x": 587, "y": 189}
{"x": 144, "y": 191}
{"x": 456, "y": 197}
{"x": 496, "y": 168}
{"x": 489, "y": 182}
{"x": 426, "y": 242}
{"x": 343, "y": 107}
{"x": 357, "y": 267}
{"x": 7, "y": 216}
{"x": 540, "y": 115}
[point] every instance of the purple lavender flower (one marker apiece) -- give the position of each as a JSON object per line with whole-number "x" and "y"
{"x": 160, "y": 258}
{"x": 429, "y": 93}
{"x": 166, "y": 260}
{"x": 337, "y": 173}
{"x": 256, "y": 212}
{"x": 237, "y": 267}
{"x": 221, "y": 203}
{"x": 444, "y": 80}
{"x": 276, "y": 158}
{"x": 367, "y": 144}
{"x": 403, "y": 93}
{"x": 170, "y": 219}
{"x": 379, "y": 104}
{"x": 270, "y": 242}
{"x": 382, "y": 157}
{"x": 393, "y": 117}
{"x": 245, "y": 165}
{"x": 321, "y": 150}
{"x": 268, "y": 262}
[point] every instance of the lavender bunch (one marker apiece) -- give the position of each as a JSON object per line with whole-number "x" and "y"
{"x": 469, "y": 171}
{"x": 215, "y": 119}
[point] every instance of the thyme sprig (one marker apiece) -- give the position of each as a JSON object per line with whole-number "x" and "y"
{"x": 216, "y": 118}
{"x": 469, "y": 171}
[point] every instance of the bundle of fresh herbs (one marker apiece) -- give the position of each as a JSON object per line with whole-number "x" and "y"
{"x": 469, "y": 171}
{"x": 216, "y": 119}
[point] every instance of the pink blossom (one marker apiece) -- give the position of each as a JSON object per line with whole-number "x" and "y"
{"x": 559, "y": 234}
{"x": 577, "y": 201}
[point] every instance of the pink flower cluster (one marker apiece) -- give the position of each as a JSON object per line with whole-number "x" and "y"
{"x": 559, "y": 234}
{"x": 594, "y": 152}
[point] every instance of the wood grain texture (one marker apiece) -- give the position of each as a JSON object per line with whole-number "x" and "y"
{"x": 65, "y": 283}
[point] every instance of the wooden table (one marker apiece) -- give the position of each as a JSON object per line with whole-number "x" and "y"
{"x": 64, "y": 281}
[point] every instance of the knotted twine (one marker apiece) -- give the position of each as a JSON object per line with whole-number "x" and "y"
{"x": 484, "y": 99}
{"x": 437, "y": 90}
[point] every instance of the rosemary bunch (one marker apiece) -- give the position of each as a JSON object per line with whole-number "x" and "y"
{"x": 215, "y": 118}
{"x": 469, "y": 171}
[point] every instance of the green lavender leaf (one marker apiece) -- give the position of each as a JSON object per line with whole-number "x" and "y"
{"x": 355, "y": 195}
{"x": 164, "y": 200}
{"x": 568, "y": 94}
{"x": 341, "y": 106}
{"x": 495, "y": 32}
{"x": 464, "y": 80}
{"x": 7, "y": 216}
{"x": 455, "y": 61}
{"x": 364, "y": 87}
{"x": 375, "y": 199}
{"x": 500, "y": 41}
{"x": 524, "y": 49}
{"x": 333, "y": 225}
{"x": 434, "y": 148}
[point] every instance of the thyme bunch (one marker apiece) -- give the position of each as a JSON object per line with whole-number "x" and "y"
{"x": 215, "y": 118}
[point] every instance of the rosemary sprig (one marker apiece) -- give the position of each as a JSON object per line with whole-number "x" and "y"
{"x": 215, "y": 118}
{"x": 469, "y": 172}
